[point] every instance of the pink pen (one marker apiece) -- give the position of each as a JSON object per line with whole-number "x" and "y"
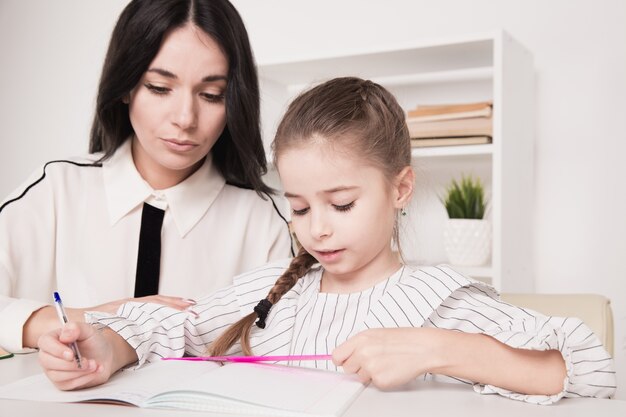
{"x": 254, "y": 358}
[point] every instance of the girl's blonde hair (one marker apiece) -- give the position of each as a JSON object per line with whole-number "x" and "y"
{"x": 357, "y": 115}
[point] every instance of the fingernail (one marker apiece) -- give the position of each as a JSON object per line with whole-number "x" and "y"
{"x": 190, "y": 301}
{"x": 68, "y": 355}
{"x": 193, "y": 312}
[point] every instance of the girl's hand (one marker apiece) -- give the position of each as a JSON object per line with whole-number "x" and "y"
{"x": 57, "y": 358}
{"x": 390, "y": 357}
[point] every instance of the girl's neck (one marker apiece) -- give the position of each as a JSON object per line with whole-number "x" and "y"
{"x": 374, "y": 272}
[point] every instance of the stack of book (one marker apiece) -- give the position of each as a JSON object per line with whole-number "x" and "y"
{"x": 450, "y": 124}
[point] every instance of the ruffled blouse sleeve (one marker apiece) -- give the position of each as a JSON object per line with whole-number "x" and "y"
{"x": 590, "y": 368}
{"x": 156, "y": 331}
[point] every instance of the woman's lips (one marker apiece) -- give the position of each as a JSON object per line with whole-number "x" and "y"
{"x": 179, "y": 145}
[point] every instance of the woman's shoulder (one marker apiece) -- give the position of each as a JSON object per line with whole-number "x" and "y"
{"x": 58, "y": 173}
{"x": 76, "y": 165}
{"x": 249, "y": 203}
{"x": 248, "y": 195}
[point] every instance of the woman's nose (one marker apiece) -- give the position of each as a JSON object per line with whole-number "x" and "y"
{"x": 184, "y": 115}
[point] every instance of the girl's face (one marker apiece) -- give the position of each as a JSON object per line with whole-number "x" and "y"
{"x": 343, "y": 213}
{"x": 177, "y": 109}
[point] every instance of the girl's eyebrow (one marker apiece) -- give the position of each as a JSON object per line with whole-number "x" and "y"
{"x": 329, "y": 191}
{"x": 169, "y": 74}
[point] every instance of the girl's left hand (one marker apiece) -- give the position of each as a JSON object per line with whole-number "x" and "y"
{"x": 390, "y": 357}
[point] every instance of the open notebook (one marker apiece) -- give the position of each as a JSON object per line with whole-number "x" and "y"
{"x": 245, "y": 388}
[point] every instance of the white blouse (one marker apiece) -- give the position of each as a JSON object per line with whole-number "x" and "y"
{"x": 306, "y": 321}
{"x": 74, "y": 228}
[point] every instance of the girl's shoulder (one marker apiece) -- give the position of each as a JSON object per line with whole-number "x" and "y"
{"x": 253, "y": 286}
{"x": 441, "y": 279}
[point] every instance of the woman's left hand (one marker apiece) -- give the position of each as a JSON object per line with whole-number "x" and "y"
{"x": 390, "y": 357}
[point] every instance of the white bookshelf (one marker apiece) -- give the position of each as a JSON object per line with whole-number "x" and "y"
{"x": 490, "y": 66}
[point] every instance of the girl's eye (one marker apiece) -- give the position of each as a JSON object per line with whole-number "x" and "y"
{"x": 345, "y": 207}
{"x": 156, "y": 89}
{"x": 300, "y": 212}
{"x": 213, "y": 98}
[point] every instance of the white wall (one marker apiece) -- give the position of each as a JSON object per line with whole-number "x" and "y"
{"x": 50, "y": 62}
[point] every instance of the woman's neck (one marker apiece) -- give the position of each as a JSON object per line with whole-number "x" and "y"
{"x": 158, "y": 176}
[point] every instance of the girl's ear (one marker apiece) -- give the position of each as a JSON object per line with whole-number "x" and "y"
{"x": 403, "y": 187}
{"x": 126, "y": 99}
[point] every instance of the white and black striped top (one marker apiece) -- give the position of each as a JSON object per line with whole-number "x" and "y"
{"x": 306, "y": 321}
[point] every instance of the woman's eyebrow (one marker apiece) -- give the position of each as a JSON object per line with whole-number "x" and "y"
{"x": 211, "y": 78}
{"x": 164, "y": 73}
{"x": 169, "y": 74}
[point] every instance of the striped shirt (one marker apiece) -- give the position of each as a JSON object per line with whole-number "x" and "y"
{"x": 306, "y": 321}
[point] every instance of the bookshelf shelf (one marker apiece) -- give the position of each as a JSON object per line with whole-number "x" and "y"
{"x": 483, "y": 67}
{"x": 452, "y": 151}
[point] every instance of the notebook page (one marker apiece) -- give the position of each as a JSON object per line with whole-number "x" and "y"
{"x": 133, "y": 387}
{"x": 272, "y": 387}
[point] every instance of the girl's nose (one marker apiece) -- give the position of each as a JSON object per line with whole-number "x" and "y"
{"x": 320, "y": 227}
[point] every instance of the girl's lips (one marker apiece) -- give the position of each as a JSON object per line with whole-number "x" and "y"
{"x": 329, "y": 255}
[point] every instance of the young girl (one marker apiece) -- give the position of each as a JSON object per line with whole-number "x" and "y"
{"x": 343, "y": 153}
{"x": 172, "y": 193}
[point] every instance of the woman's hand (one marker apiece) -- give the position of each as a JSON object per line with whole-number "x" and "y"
{"x": 103, "y": 353}
{"x": 390, "y": 357}
{"x": 111, "y": 307}
{"x": 45, "y": 319}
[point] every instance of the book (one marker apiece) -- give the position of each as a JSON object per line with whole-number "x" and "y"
{"x": 451, "y": 111}
{"x": 453, "y": 141}
{"x": 475, "y": 126}
{"x": 245, "y": 388}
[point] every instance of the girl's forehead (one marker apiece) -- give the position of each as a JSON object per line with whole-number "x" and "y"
{"x": 314, "y": 167}
{"x": 321, "y": 151}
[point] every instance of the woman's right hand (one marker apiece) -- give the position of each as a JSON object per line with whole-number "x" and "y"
{"x": 97, "y": 351}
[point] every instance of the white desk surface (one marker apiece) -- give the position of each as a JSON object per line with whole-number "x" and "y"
{"x": 428, "y": 399}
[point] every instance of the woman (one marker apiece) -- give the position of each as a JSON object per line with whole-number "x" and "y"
{"x": 170, "y": 200}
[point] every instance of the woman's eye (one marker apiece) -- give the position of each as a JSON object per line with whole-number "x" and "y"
{"x": 213, "y": 98}
{"x": 156, "y": 89}
{"x": 345, "y": 207}
{"x": 300, "y": 212}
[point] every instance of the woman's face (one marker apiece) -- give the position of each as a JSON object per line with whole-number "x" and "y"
{"x": 177, "y": 109}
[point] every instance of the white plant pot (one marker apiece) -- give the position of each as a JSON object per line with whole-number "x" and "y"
{"x": 467, "y": 241}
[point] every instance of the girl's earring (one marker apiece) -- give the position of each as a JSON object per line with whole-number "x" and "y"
{"x": 403, "y": 211}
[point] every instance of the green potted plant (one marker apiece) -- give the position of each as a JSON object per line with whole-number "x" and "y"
{"x": 467, "y": 235}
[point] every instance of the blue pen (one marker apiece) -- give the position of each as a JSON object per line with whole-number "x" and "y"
{"x": 61, "y": 312}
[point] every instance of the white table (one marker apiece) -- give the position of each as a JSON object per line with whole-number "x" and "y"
{"x": 421, "y": 399}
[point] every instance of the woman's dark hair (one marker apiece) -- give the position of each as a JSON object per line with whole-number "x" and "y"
{"x": 136, "y": 39}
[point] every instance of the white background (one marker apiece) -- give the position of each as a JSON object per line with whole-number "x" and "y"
{"x": 51, "y": 54}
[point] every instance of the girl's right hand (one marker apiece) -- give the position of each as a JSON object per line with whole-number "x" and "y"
{"x": 57, "y": 358}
